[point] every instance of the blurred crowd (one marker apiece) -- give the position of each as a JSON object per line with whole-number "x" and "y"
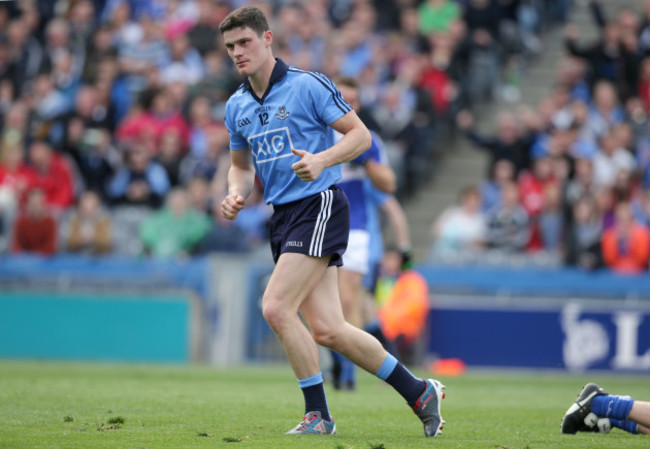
{"x": 111, "y": 111}
{"x": 569, "y": 179}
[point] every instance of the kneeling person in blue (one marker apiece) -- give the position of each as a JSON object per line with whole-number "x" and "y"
{"x": 279, "y": 123}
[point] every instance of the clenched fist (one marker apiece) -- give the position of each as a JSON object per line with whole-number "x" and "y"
{"x": 309, "y": 167}
{"x": 231, "y": 205}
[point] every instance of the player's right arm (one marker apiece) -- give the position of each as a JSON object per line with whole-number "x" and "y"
{"x": 241, "y": 177}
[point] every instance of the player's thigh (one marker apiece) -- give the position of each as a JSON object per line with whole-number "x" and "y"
{"x": 294, "y": 277}
{"x": 350, "y": 283}
{"x": 322, "y": 309}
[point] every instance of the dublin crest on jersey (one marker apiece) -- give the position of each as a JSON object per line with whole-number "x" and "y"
{"x": 282, "y": 113}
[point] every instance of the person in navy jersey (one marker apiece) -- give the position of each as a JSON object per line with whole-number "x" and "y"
{"x": 372, "y": 165}
{"x": 279, "y": 124}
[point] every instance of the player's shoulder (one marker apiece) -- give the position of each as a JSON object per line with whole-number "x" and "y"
{"x": 307, "y": 77}
{"x": 237, "y": 95}
{"x": 237, "y": 98}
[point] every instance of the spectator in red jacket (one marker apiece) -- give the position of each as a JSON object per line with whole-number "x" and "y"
{"x": 143, "y": 125}
{"x": 35, "y": 229}
{"x": 531, "y": 189}
{"x": 626, "y": 245}
{"x": 53, "y": 174}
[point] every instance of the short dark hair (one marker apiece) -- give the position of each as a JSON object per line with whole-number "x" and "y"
{"x": 348, "y": 81}
{"x": 246, "y": 16}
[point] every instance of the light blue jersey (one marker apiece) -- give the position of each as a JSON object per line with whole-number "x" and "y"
{"x": 294, "y": 112}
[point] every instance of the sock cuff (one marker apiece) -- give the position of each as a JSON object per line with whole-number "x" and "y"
{"x": 386, "y": 368}
{"x": 628, "y": 426}
{"x": 311, "y": 381}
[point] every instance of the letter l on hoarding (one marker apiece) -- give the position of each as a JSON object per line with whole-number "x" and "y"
{"x": 627, "y": 342}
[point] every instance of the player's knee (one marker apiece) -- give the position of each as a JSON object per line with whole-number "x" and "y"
{"x": 274, "y": 315}
{"x": 326, "y": 336}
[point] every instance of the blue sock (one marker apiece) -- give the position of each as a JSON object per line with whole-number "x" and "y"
{"x": 628, "y": 426}
{"x": 314, "y": 393}
{"x": 608, "y": 406}
{"x": 401, "y": 379}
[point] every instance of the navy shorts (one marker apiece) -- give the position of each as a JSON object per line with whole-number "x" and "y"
{"x": 318, "y": 226}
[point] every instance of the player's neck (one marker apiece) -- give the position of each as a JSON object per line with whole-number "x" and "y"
{"x": 260, "y": 80}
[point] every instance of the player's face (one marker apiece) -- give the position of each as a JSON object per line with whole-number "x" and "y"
{"x": 247, "y": 50}
{"x": 351, "y": 95}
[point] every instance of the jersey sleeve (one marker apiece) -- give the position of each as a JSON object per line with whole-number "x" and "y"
{"x": 237, "y": 142}
{"x": 328, "y": 101}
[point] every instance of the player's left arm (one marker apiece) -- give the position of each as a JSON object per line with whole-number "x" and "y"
{"x": 356, "y": 139}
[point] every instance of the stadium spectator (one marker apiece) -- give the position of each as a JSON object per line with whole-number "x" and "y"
{"x": 95, "y": 111}
{"x": 95, "y": 156}
{"x": 140, "y": 181}
{"x": 508, "y": 143}
{"x": 203, "y": 35}
{"x": 49, "y": 104}
{"x": 503, "y": 172}
{"x": 186, "y": 64}
{"x": 66, "y": 81}
{"x": 142, "y": 54}
{"x": 508, "y": 225}
{"x": 15, "y": 125}
{"x": 176, "y": 230}
{"x": 100, "y": 48}
{"x": 436, "y": 16}
{"x": 604, "y": 113}
{"x": 626, "y": 245}
{"x": 170, "y": 154}
{"x": 532, "y": 184}
{"x": 53, "y": 174}
{"x": 583, "y": 248}
{"x": 35, "y": 229}
{"x": 551, "y": 219}
{"x": 610, "y": 160}
{"x": 88, "y": 229}
{"x": 26, "y": 53}
{"x": 112, "y": 89}
{"x": 581, "y": 185}
{"x": 460, "y": 229}
{"x": 603, "y": 57}
{"x": 59, "y": 40}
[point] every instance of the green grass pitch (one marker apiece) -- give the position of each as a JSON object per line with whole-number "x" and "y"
{"x": 92, "y": 406}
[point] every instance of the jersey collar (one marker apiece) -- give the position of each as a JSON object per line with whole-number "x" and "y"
{"x": 279, "y": 70}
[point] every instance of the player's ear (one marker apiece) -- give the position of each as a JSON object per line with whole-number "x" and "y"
{"x": 268, "y": 38}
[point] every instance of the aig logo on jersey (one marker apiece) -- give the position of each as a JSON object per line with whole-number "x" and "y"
{"x": 271, "y": 145}
{"x": 282, "y": 113}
